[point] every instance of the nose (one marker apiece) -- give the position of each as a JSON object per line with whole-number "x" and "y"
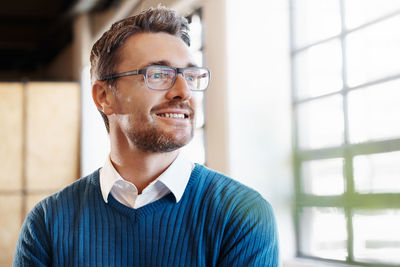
{"x": 180, "y": 90}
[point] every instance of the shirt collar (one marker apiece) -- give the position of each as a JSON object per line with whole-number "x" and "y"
{"x": 175, "y": 177}
{"x": 108, "y": 177}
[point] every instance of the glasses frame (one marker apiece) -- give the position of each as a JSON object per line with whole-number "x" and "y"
{"x": 145, "y": 71}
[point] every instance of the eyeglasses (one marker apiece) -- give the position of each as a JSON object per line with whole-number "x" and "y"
{"x": 164, "y": 77}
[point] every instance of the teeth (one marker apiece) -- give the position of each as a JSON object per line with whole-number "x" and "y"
{"x": 173, "y": 115}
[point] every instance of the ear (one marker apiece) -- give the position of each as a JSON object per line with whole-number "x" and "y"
{"x": 103, "y": 97}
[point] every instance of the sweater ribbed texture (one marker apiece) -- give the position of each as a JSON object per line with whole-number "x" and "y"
{"x": 218, "y": 222}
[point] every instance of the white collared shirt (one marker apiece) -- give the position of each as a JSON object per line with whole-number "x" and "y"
{"x": 174, "y": 179}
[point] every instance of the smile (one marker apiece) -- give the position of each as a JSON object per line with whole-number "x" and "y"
{"x": 173, "y": 115}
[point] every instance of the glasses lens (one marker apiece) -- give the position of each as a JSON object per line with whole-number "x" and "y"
{"x": 159, "y": 78}
{"x": 197, "y": 78}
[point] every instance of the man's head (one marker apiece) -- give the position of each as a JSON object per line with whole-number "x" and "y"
{"x": 104, "y": 56}
{"x": 137, "y": 110}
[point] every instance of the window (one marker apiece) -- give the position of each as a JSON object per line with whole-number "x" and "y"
{"x": 346, "y": 118}
{"x": 195, "y": 150}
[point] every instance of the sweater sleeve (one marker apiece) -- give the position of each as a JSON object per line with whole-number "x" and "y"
{"x": 33, "y": 244}
{"x": 251, "y": 236}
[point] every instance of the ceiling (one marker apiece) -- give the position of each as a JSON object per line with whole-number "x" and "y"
{"x": 33, "y": 32}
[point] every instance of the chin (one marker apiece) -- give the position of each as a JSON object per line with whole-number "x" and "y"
{"x": 159, "y": 142}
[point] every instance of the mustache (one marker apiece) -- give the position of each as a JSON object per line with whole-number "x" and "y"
{"x": 174, "y": 104}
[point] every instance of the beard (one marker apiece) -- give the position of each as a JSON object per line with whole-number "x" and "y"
{"x": 149, "y": 137}
{"x": 157, "y": 141}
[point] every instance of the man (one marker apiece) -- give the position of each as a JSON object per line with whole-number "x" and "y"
{"x": 148, "y": 206}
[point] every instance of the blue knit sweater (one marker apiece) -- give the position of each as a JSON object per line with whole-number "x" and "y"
{"x": 218, "y": 222}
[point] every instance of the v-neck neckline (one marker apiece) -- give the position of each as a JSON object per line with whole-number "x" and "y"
{"x": 150, "y": 208}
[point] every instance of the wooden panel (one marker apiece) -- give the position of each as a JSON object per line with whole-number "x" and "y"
{"x": 52, "y": 134}
{"x": 10, "y": 222}
{"x": 11, "y": 135}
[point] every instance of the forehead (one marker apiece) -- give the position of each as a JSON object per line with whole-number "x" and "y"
{"x": 142, "y": 49}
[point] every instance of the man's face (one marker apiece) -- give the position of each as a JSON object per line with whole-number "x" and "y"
{"x": 151, "y": 120}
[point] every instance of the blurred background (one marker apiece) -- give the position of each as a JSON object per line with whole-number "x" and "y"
{"x": 304, "y": 106}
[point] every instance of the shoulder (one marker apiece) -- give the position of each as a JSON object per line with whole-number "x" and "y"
{"x": 236, "y": 198}
{"x": 244, "y": 220}
{"x": 223, "y": 185}
{"x": 240, "y": 217}
{"x": 40, "y": 225}
{"x": 71, "y": 193}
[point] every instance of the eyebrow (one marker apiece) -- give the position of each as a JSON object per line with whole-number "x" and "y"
{"x": 164, "y": 63}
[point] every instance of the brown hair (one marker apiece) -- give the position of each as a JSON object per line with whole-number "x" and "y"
{"x": 104, "y": 55}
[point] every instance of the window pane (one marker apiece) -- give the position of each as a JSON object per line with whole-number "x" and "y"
{"x": 377, "y": 236}
{"x": 378, "y": 173}
{"x": 318, "y": 70}
{"x": 373, "y": 52}
{"x": 323, "y": 233}
{"x": 315, "y": 20}
{"x": 196, "y": 37}
{"x": 323, "y": 177}
{"x": 374, "y": 112}
{"x": 359, "y": 12}
{"x": 321, "y": 123}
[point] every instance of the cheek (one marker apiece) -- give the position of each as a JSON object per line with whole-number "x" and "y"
{"x": 138, "y": 111}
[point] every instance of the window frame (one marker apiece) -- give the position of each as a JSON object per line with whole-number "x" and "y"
{"x": 350, "y": 199}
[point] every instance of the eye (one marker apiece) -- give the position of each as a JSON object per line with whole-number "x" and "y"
{"x": 190, "y": 77}
{"x": 160, "y": 74}
{"x": 157, "y": 75}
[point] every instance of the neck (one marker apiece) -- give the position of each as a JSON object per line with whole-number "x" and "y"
{"x": 139, "y": 167}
